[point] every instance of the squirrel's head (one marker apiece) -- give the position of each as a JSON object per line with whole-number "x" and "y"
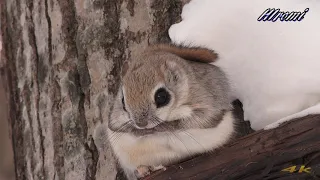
{"x": 155, "y": 87}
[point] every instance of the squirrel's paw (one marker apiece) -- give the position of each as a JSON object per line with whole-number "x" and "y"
{"x": 143, "y": 171}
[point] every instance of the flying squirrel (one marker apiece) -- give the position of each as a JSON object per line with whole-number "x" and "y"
{"x": 171, "y": 104}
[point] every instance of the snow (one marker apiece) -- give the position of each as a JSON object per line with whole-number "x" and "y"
{"x": 309, "y": 111}
{"x": 273, "y": 67}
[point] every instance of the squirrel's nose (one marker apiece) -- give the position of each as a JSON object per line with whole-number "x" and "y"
{"x": 141, "y": 119}
{"x": 141, "y": 123}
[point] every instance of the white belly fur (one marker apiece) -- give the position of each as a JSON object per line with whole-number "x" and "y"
{"x": 163, "y": 148}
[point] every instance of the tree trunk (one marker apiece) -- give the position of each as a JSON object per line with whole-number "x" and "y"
{"x": 6, "y": 154}
{"x": 60, "y": 64}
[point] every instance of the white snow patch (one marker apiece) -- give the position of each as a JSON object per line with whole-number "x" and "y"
{"x": 273, "y": 67}
{"x": 310, "y": 111}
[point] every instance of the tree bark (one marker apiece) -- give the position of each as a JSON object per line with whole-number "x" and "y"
{"x": 6, "y": 154}
{"x": 291, "y": 151}
{"x": 60, "y": 64}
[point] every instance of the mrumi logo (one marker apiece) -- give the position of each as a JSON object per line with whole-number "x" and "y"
{"x": 275, "y": 15}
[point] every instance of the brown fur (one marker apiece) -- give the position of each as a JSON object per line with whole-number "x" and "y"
{"x": 193, "y": 54}
{"x": 184, "y": 78}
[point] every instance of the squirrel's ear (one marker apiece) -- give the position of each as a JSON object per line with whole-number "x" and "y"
{"x": 197, "y": 54}
{"x": 124, "y": 68}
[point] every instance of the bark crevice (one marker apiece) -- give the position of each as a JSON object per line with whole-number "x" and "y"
{"x": 49, "y": 31}
{"x": 35, "y": 85}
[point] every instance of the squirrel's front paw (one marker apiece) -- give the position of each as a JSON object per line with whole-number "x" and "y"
{"x": 143, "y": 171}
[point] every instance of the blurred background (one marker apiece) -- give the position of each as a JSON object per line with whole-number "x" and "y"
{"x": 6, "y": 153}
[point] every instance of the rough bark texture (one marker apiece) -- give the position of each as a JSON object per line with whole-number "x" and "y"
{"x": 6, "y": 154}
{"x": 60, "y": 63}
{"x": 259, "y": 156}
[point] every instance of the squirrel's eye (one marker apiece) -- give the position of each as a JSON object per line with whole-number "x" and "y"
{"x": 161, "y": 97}
{"x": 123, "y": 105}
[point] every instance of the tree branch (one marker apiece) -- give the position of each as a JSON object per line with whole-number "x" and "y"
{"x": 291, "y": 151}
